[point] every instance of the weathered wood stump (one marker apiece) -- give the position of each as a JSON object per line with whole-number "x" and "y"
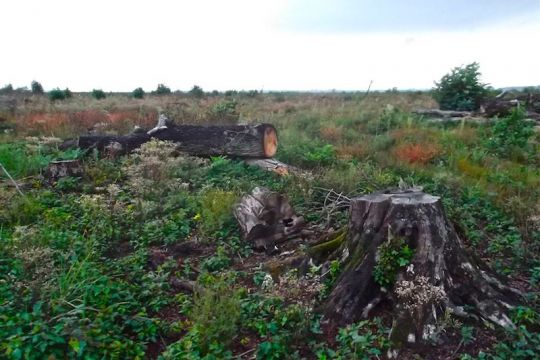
{"x": 63, "y": 168}
{"x": 253, "y": 141}
{"x": 266, "y": 219}
{"x": 401, "y": 247}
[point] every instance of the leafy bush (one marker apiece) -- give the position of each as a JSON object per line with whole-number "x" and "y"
{"x": 416, "y": 153}
{"x": 57, "y": 94}
{"x": 216, "y": 313}
{"x": 98, "y": 94}
{"x": 321, "y": 156}
{"x": 224, "y": 112}
{"x": 216, "y": 210}
{"x": 358, "y": 341}
{"x": 8, "y": 89}
{"x": 461, "y": 89}
{"x": 511, "y": 135}
{"x": 138, "y": 93}
{"x": 196, "y": 92}
{"x": 162, "y": 90}
{"x": 394, "y": 254}
{"x": 36, "y": 87}
{"x": 67, "y": 93}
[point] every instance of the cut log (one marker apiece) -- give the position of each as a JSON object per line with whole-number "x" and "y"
{"x": 267, "y": 219}
{"x": 401, "y": 247}
{"x": 254, "y": 141}
{"x": 63, "y": 168}
{"x": 442, "y": 114}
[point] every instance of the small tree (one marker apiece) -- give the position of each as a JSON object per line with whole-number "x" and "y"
{"x": 138, "y": 93}
{"x": 56, "y": 94}
{"x": 68, "y": 94}
{"x": 37, "y": 89}
{"x": 196, "y": 92}
{"x": 461, "y": 89}
{"x": 98, "y": 94}
{"x": 511, "y": 134}
{"x": 162, "y": 90}
{"x": 8, "y": 89}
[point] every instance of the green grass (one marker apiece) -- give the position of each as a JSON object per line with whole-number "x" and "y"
{"x": 86, "y": 265}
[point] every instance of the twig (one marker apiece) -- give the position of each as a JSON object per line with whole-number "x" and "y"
{"x": 456, "y": 351}
{"x": 367, "y": 92}
{"x": 245, "y": 353}
{"x": 12, "y": 180}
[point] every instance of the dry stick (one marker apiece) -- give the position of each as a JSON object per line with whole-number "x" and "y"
{"x": 245, "y": 353}
{"x": 367, "y": 92}
{"x": 12, "y": 180}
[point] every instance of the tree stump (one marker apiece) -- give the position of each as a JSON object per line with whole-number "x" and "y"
{"x": 401, "y": 247}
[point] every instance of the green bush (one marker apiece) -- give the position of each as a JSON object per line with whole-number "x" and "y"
{"x": 461, "y": 89}
{"x": 8, "y": 89}
{"x": 162, "y": 90}
{"x": 57, "y": 94}
{"x": 196, "y": 92}
{"x": 225, "y": 112}
{"x": 98, "y": 94}
{"x": 511, "y": 135}
{"x": 216, "y": 314}
{"x": 138, "y": 93}
{"x": 37, "y": 89}
{"x": 67, "y": 93}
{"x": 216, "y": 210}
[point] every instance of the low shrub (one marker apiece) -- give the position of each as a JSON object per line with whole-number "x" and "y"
{"x": 197, "y": 92}
{"x": 511, "y": 134}
{"x": 56, "y": 94}
{"x": 98, "y": 94}
{"x": 36, "y": 87}
{"x": 416, "y": 153}
{"x": 162, "y": 90}
{"x": 138, "y": 93}
{"x": 215, "y": 210}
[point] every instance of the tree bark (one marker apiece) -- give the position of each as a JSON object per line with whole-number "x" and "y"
{"x": 443, "y": 114}
{"x": 267, "y": 219}
{"x": 254, "y": 141}
{"x": 63, "y": 168}
{"x": 438, "y": 276}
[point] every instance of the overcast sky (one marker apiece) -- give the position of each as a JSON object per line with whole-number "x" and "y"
{"x": 266, "y": 44}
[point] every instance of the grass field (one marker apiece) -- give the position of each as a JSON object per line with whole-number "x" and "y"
{"x": 88, "y": 265}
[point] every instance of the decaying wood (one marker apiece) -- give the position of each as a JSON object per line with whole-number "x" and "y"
{"x": 443, "y": 114}
{"x": 272, "y": 165}
{"x": 253, "y": 141}
{"x": 15, "y": 184}
{"x": 267, "y": 219}
{"x": 440, "y": 276}
{"x": 63, "y": 168}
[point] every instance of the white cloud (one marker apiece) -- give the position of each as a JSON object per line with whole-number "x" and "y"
{"x": 120, "y": 45}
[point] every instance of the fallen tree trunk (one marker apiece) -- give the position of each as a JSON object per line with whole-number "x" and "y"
{"x": 443, "y": 114}
{"x": 400, "y": 247}
{"x": 254, "y": 141}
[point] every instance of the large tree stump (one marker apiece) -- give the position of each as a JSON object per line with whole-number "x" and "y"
{"x": 432, "y": 272}
{"x": 252, "y": 141}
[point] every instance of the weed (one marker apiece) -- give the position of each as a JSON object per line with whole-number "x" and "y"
{"x": 416, "y": 153}
{"x": 216, "y": 210}
{"x": 393, "y": 255}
